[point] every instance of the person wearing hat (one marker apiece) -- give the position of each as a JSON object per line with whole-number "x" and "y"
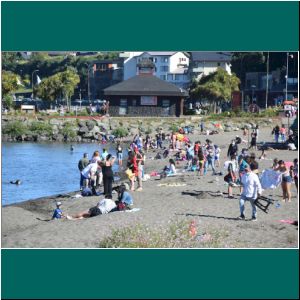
{"x": 58, "y": 214}
{"x": 251, "y": 190}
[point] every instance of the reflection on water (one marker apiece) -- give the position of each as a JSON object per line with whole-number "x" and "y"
{"x": 44, "y": 169}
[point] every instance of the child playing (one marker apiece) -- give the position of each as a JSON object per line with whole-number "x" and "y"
{"x": 217, "y": 156}
{"x": 58, "y": 214}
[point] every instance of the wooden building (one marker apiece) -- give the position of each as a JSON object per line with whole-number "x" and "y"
{"x": 145, "y": 95}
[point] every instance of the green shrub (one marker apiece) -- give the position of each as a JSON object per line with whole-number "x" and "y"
{"x": 15, "y": 129}
{"x": 120, "y": 132}
{"x": 8, "y": 101}
{"x": 174, "y": 128}
{"x": 69, "y": 130}
{"x": 83, "y": 113}
{"x": 176, "y": 235}
{"x": 41, "y": 128}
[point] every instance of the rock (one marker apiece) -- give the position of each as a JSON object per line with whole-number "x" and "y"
{"x": 82, "y": 123}
{"x": 56, "y": 122}
{"x": 42, "y": 138}
{"x": 83, "y": 130}
{"x": 29, "y": 138}
{"x": 90, "y": 124}
{"x": 58, "y": 137}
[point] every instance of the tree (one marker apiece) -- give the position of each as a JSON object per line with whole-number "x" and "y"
{"x": 217, "y": 86}
{"x": 243, "y": 62}
{"x": 9, "y": 82}
{"x": 59, "y": 85}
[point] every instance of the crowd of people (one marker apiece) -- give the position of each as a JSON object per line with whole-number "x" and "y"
{"x": 241, "y": 168}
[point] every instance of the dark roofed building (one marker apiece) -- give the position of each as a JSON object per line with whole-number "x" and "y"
{"x": 145, "y": 95}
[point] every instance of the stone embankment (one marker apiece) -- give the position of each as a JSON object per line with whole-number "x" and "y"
{"x": 64, "y": 129}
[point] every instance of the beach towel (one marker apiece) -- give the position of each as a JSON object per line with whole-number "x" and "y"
{"x": 172, "y": 184}
{"x": 270, "y": 179}
{"x": 133, "y": 210}
{"x": 292, "y": 222}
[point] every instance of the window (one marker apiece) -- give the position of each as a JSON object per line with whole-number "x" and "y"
{"x": 163, "y": 77}
{"x": 219, "y": 64}
{"x": 123, "y": 107}
{"x": 177, "y": 77}
{"x": 164, "y": 59}
{"x": 154, "y": 59}
{"x": 166, "y": 107}
{"x": 181, "y": 59}
{"x": 133, "y": 102}
{"x": 164, "y": 68}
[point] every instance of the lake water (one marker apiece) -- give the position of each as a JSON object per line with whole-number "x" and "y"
{"x": 44, "y": 169}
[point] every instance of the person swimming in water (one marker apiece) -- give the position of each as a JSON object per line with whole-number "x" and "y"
{"x": 72, "y": 148}
{"x": 18, "y": 181}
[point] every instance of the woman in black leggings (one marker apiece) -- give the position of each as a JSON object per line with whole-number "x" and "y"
{"x": 108, "y": 174}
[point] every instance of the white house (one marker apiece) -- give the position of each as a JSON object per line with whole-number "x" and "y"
{"x": 169, "y": 66}
{"x": 205, "y": 63}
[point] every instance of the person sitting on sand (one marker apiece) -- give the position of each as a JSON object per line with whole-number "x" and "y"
{"x": 58, "y": 214}
{"x": 104, "y": 206}
{"x": 125, "y": 200}
{"x": 169, "y": 170}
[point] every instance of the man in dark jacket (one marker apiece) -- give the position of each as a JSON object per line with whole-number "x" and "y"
{"x": 233, "y": 149}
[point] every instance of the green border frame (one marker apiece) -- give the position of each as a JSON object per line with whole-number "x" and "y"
{"x": 95, "y": 274}
{"x": 213, "y": 26}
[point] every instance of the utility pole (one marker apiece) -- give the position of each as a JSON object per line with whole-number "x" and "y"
{"x": 267, "y": 85}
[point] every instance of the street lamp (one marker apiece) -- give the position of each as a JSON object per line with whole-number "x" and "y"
{"x": 286, "y": 83}
{"x": 287, "y": 73}
{"x": 88, "y": 74}
{"x": 32, "y": 81}
{"x": 253, "y": 88}
{"x": 267, "y": 85}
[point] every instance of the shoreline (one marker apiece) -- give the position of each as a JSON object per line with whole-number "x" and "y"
{"x": 161, "y": 203}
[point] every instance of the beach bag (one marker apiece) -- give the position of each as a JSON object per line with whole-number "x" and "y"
{"x": 121, "y": 206}
{"x": 228, "y": 178}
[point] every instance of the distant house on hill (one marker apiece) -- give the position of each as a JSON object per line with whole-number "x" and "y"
{"x": 165, "y": 65}
{"x": 145, "y": 95}
{"x": 204, "y": 63}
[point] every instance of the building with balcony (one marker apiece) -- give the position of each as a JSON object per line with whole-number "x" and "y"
{"x": 168, "y": 66}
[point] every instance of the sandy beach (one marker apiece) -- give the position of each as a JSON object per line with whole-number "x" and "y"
{"x": 162, "y": 202}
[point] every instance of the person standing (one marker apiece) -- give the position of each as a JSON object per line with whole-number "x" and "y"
{"x": 108, "y": 174}
{"x": 159, "y": 140}
{"x": 201, "y": 126}
{"x": 84, "y": 162}
{"x": 251, "y": 190}
{"x": 286, "y": 181}
{"x": 283, "y": 133}
{"x": 119, "y": 154}
{"x": 139, "y": 160}
{"x": 232, "y": 149}
{"x": 276, "y": 131}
